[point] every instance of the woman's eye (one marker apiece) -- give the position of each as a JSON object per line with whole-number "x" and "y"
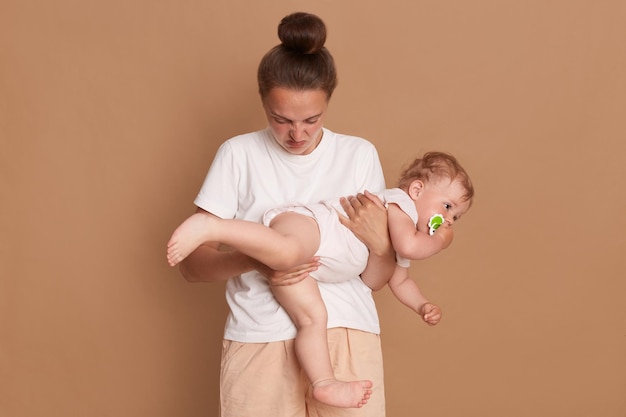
{"x": 311, "y": 121}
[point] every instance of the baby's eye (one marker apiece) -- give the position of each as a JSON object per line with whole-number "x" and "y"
{"x": 447, "y": 206}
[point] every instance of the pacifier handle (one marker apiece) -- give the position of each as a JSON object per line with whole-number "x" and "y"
{"x": 433, "y": 224}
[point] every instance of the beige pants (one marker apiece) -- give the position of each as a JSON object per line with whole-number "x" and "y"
{"x": 265, "y": 379}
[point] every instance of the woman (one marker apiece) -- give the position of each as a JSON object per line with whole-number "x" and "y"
{"x": 295, "y": 159}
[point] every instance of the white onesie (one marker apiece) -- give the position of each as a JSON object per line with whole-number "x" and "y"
{"x": 342, "y": 254}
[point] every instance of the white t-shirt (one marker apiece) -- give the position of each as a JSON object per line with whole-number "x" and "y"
{"x": 252, "y": 173}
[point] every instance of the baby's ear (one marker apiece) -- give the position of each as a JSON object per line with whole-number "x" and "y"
{"x": 415, "y": 189}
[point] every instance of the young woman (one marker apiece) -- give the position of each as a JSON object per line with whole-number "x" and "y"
{"x": 294, "y": 159}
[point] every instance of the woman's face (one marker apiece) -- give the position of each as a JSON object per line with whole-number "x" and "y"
{"x": 296, "y": 118}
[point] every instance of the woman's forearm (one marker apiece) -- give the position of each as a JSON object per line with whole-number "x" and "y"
{"x": 379, "y": 269}
{"x": 210, "y": 264}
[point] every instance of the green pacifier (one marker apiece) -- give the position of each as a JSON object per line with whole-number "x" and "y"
{"x": 434, "y": 223}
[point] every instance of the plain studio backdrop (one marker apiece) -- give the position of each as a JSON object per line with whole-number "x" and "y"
{"x": 110, "y": 115}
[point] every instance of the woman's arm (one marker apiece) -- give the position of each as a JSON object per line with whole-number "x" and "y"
{"x": 210, "y": 264}
{"x": 367, "y": 219}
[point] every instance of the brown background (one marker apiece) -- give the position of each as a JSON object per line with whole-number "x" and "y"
{"x": 110, "y": 114}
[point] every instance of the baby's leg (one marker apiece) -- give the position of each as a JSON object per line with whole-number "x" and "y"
{"x": 306, "y": 308}
{"x": 291, "y": 240}
{"x": 193, "y": 232}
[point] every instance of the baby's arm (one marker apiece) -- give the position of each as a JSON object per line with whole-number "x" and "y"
{"x": 409, "y": 294}
{"x": 411, "y": 243}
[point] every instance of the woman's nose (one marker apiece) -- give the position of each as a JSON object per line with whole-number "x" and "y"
{"x": 297, "y": 131}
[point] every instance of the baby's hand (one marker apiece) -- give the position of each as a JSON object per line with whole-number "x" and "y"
{"x": 446, "y": 234}
{"x": 431, "y": 313}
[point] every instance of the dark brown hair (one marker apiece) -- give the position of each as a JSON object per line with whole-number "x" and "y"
{"x": 434, "y": 166}
{"x": 300, "y": 62}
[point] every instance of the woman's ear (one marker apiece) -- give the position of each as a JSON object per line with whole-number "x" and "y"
{"x": 415, "y": 189}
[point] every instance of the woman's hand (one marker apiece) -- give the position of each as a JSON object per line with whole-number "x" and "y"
{"x": 289, "y": 277}
{"x": 367, "y": 219}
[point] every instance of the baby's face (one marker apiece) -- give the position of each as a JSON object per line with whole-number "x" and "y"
{"x": 443, "y": 197}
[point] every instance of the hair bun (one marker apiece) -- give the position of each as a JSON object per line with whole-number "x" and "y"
{"x": 302, "y": 32}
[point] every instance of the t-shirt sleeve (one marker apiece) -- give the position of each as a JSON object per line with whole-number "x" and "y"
{"x": 371, "y": 171}
{"x": 219, "y": 192}
{"x": 403, "y": 262}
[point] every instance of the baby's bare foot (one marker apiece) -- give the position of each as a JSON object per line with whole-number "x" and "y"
{"x": 192, "y": 233}
{"x": 346, "y": 394}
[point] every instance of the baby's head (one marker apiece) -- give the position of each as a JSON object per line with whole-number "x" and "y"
{"x": 438, "y": 184}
